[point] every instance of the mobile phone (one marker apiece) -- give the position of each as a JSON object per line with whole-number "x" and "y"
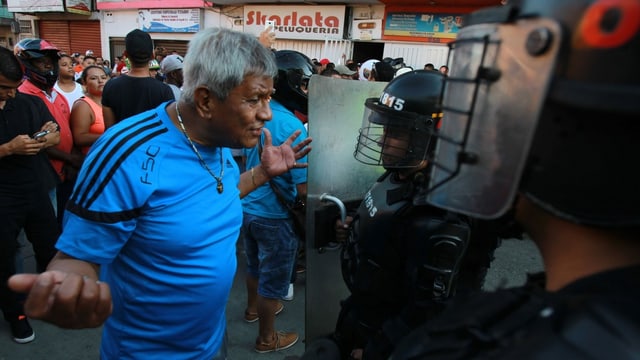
{"x": 40, "y": 134}
{"x": 270, "y": 23}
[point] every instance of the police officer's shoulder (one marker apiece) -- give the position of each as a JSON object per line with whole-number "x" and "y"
{"x": 528, "y": 323}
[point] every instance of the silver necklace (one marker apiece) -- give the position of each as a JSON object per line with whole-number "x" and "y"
{"x": 219, "y": 185}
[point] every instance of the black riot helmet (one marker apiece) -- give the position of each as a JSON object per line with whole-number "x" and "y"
{"x": 542, "y": 100}
{"x": 294, "y": 71}
{"x": 397, "y": 127}
{"x": 32, "y": 49}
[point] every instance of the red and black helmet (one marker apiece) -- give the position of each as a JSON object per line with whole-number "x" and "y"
{"x": 30, "y": 49}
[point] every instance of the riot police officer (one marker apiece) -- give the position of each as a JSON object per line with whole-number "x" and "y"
{"x": 403, "y": 259}
{"x": 533, "y": 120}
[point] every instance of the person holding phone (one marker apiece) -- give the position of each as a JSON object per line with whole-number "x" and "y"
{"x": 39, "y": 59}
{"x": 26, "y": 177}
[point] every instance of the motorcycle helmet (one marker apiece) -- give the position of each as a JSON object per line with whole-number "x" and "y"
{"x": 294, "y": 71}
{"x": 30, "y": 50}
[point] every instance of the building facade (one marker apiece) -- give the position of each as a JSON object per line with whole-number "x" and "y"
{"x": 417, "y": 33}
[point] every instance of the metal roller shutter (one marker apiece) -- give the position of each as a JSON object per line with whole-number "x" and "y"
{"x": 85, "y": 35}
{"x": 117, "y": 46}
{"x": 171, "y": 45}
{"x": 72, "y": 36}
{"x": 56, "y": 32}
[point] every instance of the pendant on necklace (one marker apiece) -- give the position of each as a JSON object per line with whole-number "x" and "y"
{"x": 219, "y": 185}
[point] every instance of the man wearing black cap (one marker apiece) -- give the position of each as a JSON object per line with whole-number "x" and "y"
{"x": 136, "y": 92}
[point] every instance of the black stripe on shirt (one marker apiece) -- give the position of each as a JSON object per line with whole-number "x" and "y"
{"x": 96, "y": 183}
{"x": 103, "y": 217}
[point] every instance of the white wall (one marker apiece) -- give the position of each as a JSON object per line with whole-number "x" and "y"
{"x": 330, "y": 49}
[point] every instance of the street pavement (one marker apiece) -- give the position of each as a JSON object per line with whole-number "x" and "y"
{"x": 514, "y": 259}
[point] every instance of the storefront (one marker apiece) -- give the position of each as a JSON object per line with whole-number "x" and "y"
{"x": 73, "y": 26}
{"x": 417, "y": 33}
{"x": 170, "y": 29}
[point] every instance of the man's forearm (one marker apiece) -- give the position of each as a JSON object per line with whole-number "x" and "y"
{"x": 5, "y": 150}
{"x": 251, "y": 180}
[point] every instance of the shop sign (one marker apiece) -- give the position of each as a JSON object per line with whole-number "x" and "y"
{"x": 82, "y": 7}
{"x": 169, "y": 20}
{"x": 366, "y": 29}
{"x": 27, "y": 6}
{"x": 434, "y": 27}
{"x": 297, "y": 22}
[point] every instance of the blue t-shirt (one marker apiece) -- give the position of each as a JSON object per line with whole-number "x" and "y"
{"x": 262, "y": 201}
{"x": 149, "y": 213}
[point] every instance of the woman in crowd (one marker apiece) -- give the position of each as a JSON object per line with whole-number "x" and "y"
{"x": 87, "y": 123}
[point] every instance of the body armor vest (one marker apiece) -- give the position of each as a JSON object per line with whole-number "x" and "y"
{"x": 400, "y": 263}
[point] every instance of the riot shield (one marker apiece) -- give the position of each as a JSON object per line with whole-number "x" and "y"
{"x": 336, "y": 108}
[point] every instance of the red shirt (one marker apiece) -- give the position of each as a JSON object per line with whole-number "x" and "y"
{"x": 59, "y": 108}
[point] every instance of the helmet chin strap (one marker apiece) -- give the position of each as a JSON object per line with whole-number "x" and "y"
{"x": 42, "y": 79}
{"x": 405, "y": 173}
{"x": 43, "y": 82}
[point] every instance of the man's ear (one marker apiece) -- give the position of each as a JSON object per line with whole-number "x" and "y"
{"x": 204, "y": 101}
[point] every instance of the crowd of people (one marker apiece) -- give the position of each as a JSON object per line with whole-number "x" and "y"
{"x": 134, "y": 203}
{"x": 369, "y": 70}
{"x": 218, "y": 109}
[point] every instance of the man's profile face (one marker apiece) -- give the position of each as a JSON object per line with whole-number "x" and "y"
{"x": 176, "y": 76}
{"x": 239, "y": 118}
{"x": 394, "y": 144}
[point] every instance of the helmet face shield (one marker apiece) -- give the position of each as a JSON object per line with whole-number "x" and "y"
{"x": 395, "y": 140}
{"x": 298, "y": 80}
{"x": 496, "y": 71}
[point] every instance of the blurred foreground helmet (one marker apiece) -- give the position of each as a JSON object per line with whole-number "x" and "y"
{"x": 294, "y": 71}
{"x": 543, "y": 99}
{"x": 30, "y": 50}
{"x": 396, "y": 128}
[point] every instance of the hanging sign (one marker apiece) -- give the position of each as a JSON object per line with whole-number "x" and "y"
{"x": 435, "y": 27}
{"x": 297, "y": 22}
{"x": 169, "y": 20}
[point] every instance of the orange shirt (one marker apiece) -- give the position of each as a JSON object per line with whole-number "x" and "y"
{"x": 98, "y": 124}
